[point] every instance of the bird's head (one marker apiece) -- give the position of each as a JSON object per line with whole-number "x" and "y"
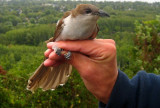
{"x": 89, "y": 11}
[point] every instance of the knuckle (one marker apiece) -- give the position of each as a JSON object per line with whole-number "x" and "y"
{"x": 46, "y": 54}
{"x": 112, "y": 41}
{"x": 113, "y": 48}
{"x": 51, "y": 55}
{"x": 110, "y": 49}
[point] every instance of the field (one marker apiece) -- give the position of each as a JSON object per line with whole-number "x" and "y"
{"x": 25, "y": 26}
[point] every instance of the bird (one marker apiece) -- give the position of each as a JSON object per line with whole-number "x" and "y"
{"x": 79, "y": 23}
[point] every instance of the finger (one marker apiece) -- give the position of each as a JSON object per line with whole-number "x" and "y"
{"x": 77, "y": 46}
{"x": 49, "y": 62}
{"x": 107, "y": 41}
{"x": 47, "y": 52}
{"x": 57, "y": 63}
{"x": 54, "y": 56}
{"x": 50, "y": 44}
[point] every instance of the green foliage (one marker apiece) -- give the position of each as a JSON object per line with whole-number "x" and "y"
{"x": 4, "y": 27}
{"x": 29, "y": 36}
{"x": 20, "y": 62}
{"x": 148, "y": 42}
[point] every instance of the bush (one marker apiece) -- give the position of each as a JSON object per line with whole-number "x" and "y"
{"x": 28, "y": 36}
{"x": 21, "y": 62}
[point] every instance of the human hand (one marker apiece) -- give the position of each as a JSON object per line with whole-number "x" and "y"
{"x": 95, "y": 61}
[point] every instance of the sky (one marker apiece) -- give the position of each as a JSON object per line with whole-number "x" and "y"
{"x": 149, "y": 1}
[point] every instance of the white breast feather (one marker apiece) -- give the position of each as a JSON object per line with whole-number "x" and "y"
{"x": 77, "y": 28}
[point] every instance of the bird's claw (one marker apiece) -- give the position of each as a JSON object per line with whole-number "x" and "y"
{"x": 68, "y": 55}
{"x": 59, "y": 52}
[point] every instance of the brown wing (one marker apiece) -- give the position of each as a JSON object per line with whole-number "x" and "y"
{"x": 59, "y": 27}
{"x": 95, "y": 32}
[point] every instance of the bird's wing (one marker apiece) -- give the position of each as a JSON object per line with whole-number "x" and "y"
{"x": 50, "y": 77}
{"x": 94, "y": 34}
{"x": 60, "y": 25}
{"x": 56, "y": 76}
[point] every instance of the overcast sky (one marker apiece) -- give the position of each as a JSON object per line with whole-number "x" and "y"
{"x": 149, "y": 1}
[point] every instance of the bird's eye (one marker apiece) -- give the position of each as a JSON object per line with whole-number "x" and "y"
{"x": 88, "y": 11}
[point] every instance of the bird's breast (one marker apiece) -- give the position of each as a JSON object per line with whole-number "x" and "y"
{"x": 78, "y": 28}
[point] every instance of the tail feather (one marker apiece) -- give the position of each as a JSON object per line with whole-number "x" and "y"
{"x": 35, "y": 78}
{"x": 45, "y": 80}
{"x": 66, "y": 73}
{"x": 56, "y": 79}
{"x": 49, "y": 77}
{"x": 38, "y": 73}
{"x": 52, "y": 76}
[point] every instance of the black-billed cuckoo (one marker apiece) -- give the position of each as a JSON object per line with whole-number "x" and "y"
{"x": 77, "y": 24}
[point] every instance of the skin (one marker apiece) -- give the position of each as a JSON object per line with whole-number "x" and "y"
{"x": 95, "y": 61}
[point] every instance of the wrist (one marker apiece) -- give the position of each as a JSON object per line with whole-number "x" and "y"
{"x": 107, "y": 90}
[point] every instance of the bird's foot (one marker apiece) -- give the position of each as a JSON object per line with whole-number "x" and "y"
{"x": 68, "y": 55}
{"x": 57, "y": 50}
{"x": 60, "y": 51}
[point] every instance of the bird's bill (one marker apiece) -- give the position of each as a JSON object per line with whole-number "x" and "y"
{"x": 101, "y": 13}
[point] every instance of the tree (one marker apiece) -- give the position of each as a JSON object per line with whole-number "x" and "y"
{"x": 148, "y": 44}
